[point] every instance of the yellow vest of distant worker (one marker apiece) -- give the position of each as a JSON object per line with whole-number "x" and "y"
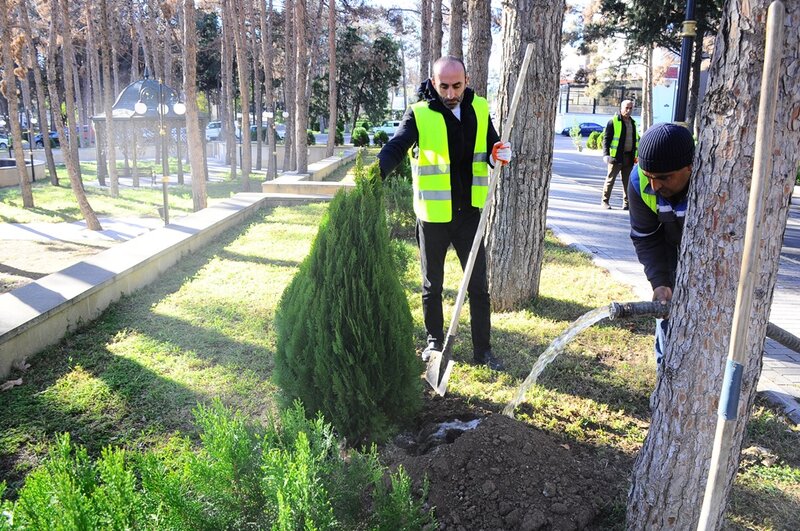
{"x": 433, "y": 200}
{"x": 617, "y": 121}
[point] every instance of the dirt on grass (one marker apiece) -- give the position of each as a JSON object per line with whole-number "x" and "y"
{"x": 488, "y": 471}
{"x": 23, "y": 261}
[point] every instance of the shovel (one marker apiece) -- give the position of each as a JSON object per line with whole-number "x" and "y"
{"x": 440, "y": 364}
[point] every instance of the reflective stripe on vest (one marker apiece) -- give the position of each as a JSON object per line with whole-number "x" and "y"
{"x": 431, "y": 170}
{"x": 617, "y": 121}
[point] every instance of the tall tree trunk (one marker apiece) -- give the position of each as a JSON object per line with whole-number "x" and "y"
{"x": 301, "y": 102}
{"x": 515, "y": 242}
{"x": 113, "y": 36}
{"x": 258, "y": 106}
{"x": 436, "y": 31}
{"x": 11, "y": 94}
{"x": 267, "y": 55}
{"x": 424, "y": 42}
{"x": 332, "y": 76}
{"x": 243, "y": 69}
{"x": 68, "y": 58}
{"x": 76, "y": 76}
{"x": 647, "y": 91}
{"x": 289, "y": 161}
{"x": 135, "y": 73}
{"x": 456, "y": 46}
{"x": 193, "y": 133}
{"x": 40, "y": 93}
{"x": 94, "y": 62}
{"x": 479, "y": 46}
{"x": 229, "y": 120}
{"x": 694, "y": 90}
{"x": 671, "y": 471}
{"x": 149, "y": 70}
{"x": 108, "y": 99}
{"x": 70, "y": 160}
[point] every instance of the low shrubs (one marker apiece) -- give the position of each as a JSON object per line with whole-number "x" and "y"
{"x": 338, "y": 138}
{"x": 595, "y": 140}
{"x": 398, "y": 199}
{"x": 380, "y": 137}
{"x": 360, "y": 137}
{"x": 344, "y": 328}
{"x": 287, "y": 475}
{"x": 311, "y": 138}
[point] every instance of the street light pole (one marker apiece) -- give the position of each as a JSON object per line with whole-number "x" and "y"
{"x": 688, "y": 34}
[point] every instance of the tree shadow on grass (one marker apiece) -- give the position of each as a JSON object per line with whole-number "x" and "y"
{"x": 255, "y": 259}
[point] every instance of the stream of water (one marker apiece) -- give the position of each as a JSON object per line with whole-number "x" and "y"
{"x": 555, "y": 348}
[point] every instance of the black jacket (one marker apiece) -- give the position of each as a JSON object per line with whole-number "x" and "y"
{"x": 460, "y": 142}
{"x": 608, "y": 136}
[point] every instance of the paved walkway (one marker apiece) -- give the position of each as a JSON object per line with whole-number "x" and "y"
{"x": 574, "y": 215}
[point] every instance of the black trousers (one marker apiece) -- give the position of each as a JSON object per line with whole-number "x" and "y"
{"x": 433, "y": 240}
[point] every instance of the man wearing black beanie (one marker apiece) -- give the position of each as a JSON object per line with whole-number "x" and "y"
{"x": 657, "y": 192}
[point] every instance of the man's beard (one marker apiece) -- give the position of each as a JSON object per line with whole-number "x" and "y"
{"x": 452, "y": 104}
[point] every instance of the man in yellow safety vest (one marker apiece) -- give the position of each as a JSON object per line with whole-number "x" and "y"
{"x": 451, "y": 141}
{"x": 620, "y": 141}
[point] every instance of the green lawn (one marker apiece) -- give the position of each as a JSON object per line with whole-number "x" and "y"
{"x": 204, "y": 330}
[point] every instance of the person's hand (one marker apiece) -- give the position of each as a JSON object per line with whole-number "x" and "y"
{"x": 662, "y": 294}
{"x": 607, "y": 159}
{"x": 636, "y": 160}
{"x": 501, "y": 152}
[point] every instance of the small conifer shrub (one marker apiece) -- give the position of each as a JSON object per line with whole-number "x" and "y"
{"x": 360, "y": 137}
{"x": 380, "y": 137}
{"x": 344, "y": 328}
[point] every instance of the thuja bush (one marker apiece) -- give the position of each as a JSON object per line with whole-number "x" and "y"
{"x": 287, "y": 475}
{"x": 344, "y": 329}
{"x": 360, "y": 137}
{"x": 380, "y": 137}
{"x": 595, "y": 140}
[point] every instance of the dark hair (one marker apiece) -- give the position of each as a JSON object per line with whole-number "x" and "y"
{"x": 449, "y": 59}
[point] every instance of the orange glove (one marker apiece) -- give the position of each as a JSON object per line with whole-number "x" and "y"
{"x": 501, "y": 152}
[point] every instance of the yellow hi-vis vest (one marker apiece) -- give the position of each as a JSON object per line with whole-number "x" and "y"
{"x": 433, "y": 199}
{"x": 617, "y": 121}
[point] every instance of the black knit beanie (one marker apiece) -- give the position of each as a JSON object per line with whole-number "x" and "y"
{"x": 666, "y": 147}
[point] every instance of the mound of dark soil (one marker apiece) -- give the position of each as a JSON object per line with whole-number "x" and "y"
{"x": 503, "y": 474}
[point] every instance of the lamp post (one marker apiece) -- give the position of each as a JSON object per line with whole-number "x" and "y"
{"x": 152, "y": 98}
{"x": 688, "y": 34}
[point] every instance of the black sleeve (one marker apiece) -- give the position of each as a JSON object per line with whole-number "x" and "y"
{"x": 491, "y": 139}
{"x": 392, "y": 153}
{"x": 608, "y": 136}
{"x": 648, "y": 238}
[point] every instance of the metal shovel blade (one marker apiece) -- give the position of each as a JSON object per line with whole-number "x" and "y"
{"x": 437, "y": 374}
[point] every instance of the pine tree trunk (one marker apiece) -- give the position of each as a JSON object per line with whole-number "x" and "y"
{"x": 40, "y": 92}
{"x": 436, "y": 31}
{"x": 301, "y": 103}
{"x": 193, "y": 134}
{"x": 647, "y": 91}
{"x": 108, "y": 99}
{"x": 12, "y": 97}
{"x": 55, "y": 102}
{"x": 479, "y": 46}
{"x": 135, "y": 74}
{"x": 113, "y": 15}
{"x": 229, "y": 120}
{"x": 258, "y": 105}
{"x": 425, "y": 42}
{"x": 243, "y": 69}
{"x": 266, "y": 54}
{"x": 456, "y": 46}
{"x": 515, "y": 242}
{"x": 289, "y": 161}
{"x": 671, "y": 471}
{"x": 332, "y": 79}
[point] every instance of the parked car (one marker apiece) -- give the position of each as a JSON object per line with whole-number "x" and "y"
{"x": 213, "y": 130}
{"x": 390, "y": 127}
{"x": 587, "y": 128}
{"x": 38, "y": 140}
{"x": 3, "y": 142}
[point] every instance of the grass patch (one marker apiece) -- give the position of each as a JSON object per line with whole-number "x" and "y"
{"x": 57, "y": 203}
{"x": 346, "y": 173}
{"x": 203, "y": 331}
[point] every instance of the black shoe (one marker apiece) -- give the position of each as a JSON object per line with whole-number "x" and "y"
{"x": 624, "y": 207}
{"x": 432, "y": 345}
{"x": 490, "y": 360}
